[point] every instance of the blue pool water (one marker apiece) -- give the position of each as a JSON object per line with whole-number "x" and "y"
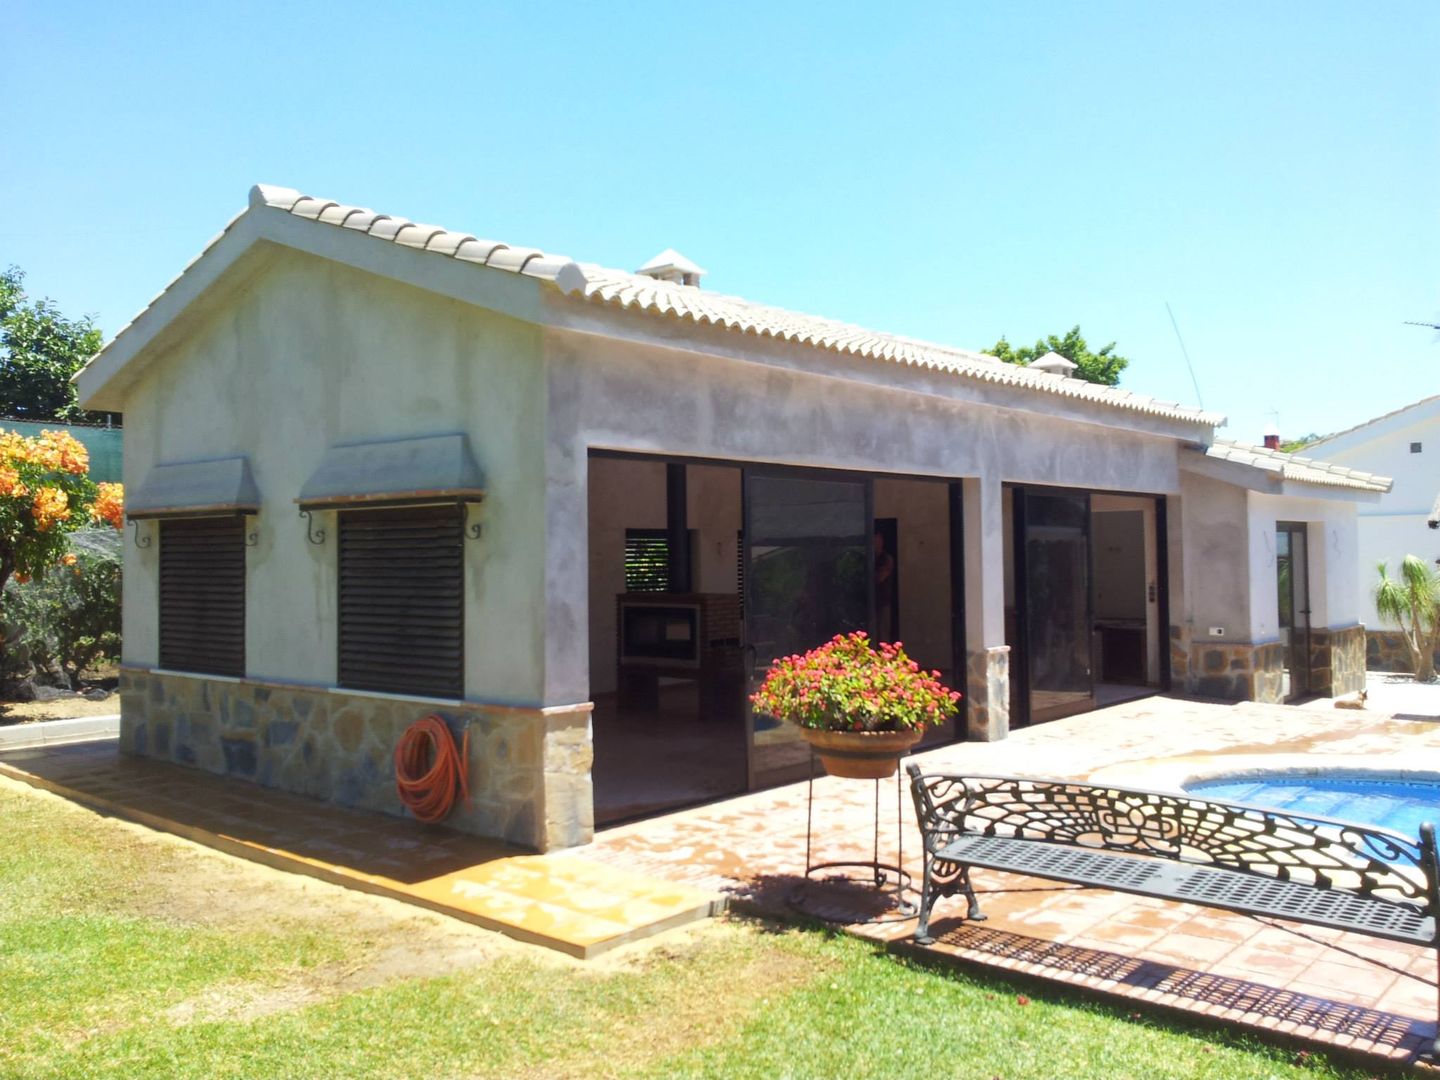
{"x": 1396, "y": 803}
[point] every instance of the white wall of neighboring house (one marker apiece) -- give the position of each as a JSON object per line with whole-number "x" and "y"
{"x": 1396, "y": 525}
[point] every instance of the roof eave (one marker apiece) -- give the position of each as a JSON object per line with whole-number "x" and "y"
{"x": 103, "y": 382}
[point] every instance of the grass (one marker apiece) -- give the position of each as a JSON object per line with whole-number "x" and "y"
{"x": 105, "y": 947}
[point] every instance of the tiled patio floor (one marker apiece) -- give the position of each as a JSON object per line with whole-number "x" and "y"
{"x": 646, "y": 876}
{"x": 566, "y": 902}
{"x": 1304, "y": 981}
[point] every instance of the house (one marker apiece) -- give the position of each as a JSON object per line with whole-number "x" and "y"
{"x": 378, "y": 469}
{"x": 1401, "y": 444}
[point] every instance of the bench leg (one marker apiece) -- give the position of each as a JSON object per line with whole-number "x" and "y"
{"x": 974, "y": 914}
{"x": 930, "y": 893}
{"x": 927, "y": 902}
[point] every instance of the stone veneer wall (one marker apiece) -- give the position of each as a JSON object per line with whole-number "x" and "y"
{"x": 987, "y": 687}
{"x": 529, "y": 768}
{"x": 1237, "y": 671}
{"x": 1180, "y": 675}
{"x": 1337, "y": 660}
{"x": 1385, "y": 650}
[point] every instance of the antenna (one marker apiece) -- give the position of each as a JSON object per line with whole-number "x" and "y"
{"x": 1431, "y": 325}
{"x": 1185, "y": 353}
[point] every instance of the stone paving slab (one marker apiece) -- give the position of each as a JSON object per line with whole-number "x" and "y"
{"x": 563, "y": 902}
{"x": 1347, "y": 991}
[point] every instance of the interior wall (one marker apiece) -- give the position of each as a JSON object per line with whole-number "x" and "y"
{"x": 1117, "y": 557}
{"x": 713, "y": 501}
{"x": 623, "y": 495}
{"x": 630, "y": 494}
{"x": 1135, "y": 592}
{"x": 922, "y": 513}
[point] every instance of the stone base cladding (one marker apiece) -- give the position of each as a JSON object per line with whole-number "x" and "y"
{"x": 1337, "y": 660}
{"x": 1237, "y": 671}
{"x": 1180, "y": 673}
{"x": 529, "y": 768}
{"x": 1385, "y": 650}
{"x": 987, "y": 690}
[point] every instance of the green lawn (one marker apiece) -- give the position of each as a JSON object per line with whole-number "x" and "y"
{"x": 127, "y": 954}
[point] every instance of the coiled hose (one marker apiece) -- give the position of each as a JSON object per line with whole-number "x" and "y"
{"x": 430, "y": 770}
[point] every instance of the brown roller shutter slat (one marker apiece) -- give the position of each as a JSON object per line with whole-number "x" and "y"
{"x": 202, "y": 595}
{"x": 402, "y": 615}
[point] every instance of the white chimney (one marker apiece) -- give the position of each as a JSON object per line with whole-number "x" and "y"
{"x": 1054, "y": 363}
{"x": 670, "y": 265}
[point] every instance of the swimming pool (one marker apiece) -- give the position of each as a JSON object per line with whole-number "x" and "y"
{"x": 1390, "y": 801}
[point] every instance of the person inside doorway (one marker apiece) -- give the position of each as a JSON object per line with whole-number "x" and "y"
{"x": 885, "y": 628}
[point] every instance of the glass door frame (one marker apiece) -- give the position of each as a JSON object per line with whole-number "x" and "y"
{"x": 1020, "y": 710}
{"x": 749, "y": 470}
{"x": 1296, "y": 613}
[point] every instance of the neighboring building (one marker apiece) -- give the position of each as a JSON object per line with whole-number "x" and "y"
{"x": 577, "y": 511}
{"x": 1404, "y": 444}
{"x": 105, "y": 444}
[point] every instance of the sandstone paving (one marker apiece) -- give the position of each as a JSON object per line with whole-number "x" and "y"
{"x": 565, "y": 902}
{"x": 1345, "y": 990}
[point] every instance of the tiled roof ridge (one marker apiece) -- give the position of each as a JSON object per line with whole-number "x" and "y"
{"x": 1305, "y": 470}
{"x": 626, "y": 290}
{"x": 1375, "y": 420}
{"x": 629, "y": 291}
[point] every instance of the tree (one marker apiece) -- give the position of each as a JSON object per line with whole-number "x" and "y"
{"x": 45, "y": 494}
{"x": 40, "y": 349}
{"x": 1412, "y": 602}
{"x": 1294, "y": 446}
{"x": 72, "y": 618}
{"x": 1102, "y": 366}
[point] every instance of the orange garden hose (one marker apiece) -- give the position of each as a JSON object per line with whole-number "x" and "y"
{"x": 429, "y": 770}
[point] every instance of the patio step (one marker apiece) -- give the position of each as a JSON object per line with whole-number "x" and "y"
{"x": 560, "y": 901}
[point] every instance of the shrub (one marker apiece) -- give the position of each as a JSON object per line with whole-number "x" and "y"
{"x": 70, "y": 618}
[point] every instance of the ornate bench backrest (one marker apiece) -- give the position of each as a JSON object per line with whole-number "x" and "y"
{"x": 1315, "y": 851}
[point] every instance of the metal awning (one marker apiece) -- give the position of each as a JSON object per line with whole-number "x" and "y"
{"x": 195, "y": 489}
{"x": 433, "y": 469}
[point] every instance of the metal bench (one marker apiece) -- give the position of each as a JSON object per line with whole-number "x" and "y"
{"x": 1215, "y": 854}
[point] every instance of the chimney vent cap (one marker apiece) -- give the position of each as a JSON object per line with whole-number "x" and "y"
{"x": 670, "y": 265}
{"x": 1054, "y": 363}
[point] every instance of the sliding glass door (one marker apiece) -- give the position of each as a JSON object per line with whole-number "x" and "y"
{"x": 808, "y": 569}
{"x": 1052, "y": 574}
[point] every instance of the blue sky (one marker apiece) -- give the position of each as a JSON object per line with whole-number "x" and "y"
{"x": 954, "y": 172}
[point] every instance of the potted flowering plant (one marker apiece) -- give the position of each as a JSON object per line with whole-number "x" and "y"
{"x": 860, "y": 706}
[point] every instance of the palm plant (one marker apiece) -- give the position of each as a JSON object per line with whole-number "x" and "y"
{"x": 1412, "y": 602}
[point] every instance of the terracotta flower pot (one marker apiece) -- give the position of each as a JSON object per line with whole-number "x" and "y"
{"x": 861, "y": 755}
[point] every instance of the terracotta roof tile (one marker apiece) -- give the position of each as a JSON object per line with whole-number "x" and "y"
{"x": 665, "y": 299}
{"x": 1302, "y": 470}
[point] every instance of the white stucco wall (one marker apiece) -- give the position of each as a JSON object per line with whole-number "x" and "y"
{"x": 1229, "y": 555}
{"x": 1396, "y": 525}
{"x": 312, "y": 354}
{"x": 1215, "y": 548}
{"x": 1333, "y": 540}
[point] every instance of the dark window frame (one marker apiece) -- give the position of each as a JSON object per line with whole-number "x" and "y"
{"x": 201, "y": 587}
{"x": 400, "y": 628}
